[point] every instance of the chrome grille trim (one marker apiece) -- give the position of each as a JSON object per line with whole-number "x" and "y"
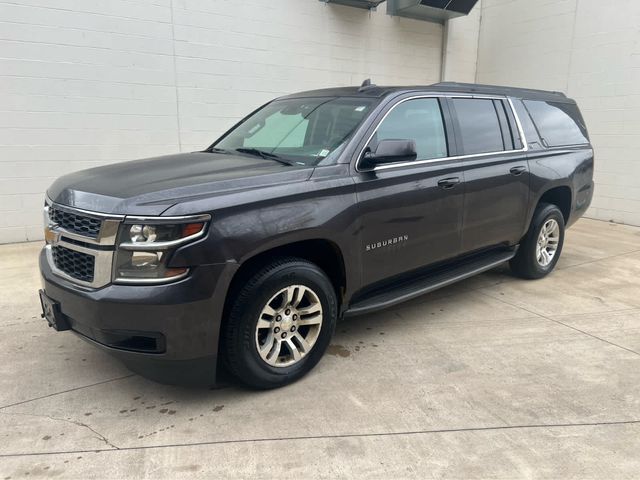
{"x": 106, "y": 235}
{"x": 101, "y": 266}
{"x": 66, "y": 238}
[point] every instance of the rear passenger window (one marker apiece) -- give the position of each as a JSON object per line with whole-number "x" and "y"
{"x": 559, "y": 124}
{"x": 420, "y": 120}
{"x": 479, "y": 125}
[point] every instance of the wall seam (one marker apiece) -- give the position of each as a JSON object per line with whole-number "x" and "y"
{"x": 175, "y": 76}
{"x": 445, "y": 50}
{"x": 573, "y": 39}
{"x": 475, "y": 73}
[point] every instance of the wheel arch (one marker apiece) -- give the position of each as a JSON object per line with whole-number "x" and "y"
{"x": 560, "y": 196}
{"x": 321, "y": 251}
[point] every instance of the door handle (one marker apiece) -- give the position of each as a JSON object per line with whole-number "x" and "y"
{"x": 447, "y": 183}
{"x": 519, "y": 170}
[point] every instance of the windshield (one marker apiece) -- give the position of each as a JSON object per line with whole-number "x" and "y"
{"x": 302, "y": 131}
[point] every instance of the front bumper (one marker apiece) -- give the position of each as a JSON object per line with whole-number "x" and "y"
{"x": 168, "y": 333}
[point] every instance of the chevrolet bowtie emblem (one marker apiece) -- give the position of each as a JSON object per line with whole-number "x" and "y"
{"x": 50, "y": 235}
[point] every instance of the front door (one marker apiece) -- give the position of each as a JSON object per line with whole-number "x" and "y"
{"x": 410, "y": 212}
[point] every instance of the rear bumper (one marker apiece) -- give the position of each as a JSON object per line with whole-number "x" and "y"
{"x": 168, "y": 333}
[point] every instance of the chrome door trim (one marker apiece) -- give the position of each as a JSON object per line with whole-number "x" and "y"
{"x": 523, "y": 139}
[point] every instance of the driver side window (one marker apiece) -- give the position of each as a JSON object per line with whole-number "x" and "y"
{"x": 420, "y": 120}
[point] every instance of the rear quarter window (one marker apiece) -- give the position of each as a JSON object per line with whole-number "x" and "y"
{"x": 559, "y": 124}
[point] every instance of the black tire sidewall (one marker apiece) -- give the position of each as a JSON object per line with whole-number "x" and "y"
{"x": 250, "y": 367}
{"x": 542, "y": 215}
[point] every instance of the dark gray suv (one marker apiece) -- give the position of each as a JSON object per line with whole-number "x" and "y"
{"x": 317, "y": 206}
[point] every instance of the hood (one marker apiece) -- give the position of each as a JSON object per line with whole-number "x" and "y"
{"x": 150, "y": 186}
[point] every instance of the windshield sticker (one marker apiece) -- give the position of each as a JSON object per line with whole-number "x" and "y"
{"x": 323, "y": 153}
{"x": 361, "y": 108}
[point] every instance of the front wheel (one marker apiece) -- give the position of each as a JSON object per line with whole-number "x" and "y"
{"x": 540, "y": 249}
{"x": 280, "y": 323}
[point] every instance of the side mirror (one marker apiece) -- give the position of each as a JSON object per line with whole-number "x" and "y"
{"x": 389, "y": 151}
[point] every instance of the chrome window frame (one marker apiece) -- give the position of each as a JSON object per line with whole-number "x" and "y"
{"x": 523, "y": 139}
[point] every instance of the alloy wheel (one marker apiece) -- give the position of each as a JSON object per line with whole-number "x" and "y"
{"x": 548, "y": 241}
{"x": 288, "y": 326}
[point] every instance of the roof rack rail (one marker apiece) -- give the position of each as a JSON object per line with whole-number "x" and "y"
{"x": 478, "y": 87}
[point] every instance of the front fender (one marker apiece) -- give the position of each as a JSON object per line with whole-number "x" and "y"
{"x": 253, "y": 222}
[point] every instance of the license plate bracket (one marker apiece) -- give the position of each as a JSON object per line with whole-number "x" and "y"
{"x": 52, "y": 314}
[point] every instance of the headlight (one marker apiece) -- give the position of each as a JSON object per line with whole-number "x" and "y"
{"x": 145, "y": 246}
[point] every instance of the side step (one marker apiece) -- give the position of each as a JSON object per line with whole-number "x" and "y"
{"x": 421, "y": 285}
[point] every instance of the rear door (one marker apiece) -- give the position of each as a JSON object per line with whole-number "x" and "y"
{"x": 495, "y": 169}
{"x": 410, "y": 212}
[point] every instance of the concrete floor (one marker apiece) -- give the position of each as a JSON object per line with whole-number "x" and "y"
{"x": 492, "y": 378}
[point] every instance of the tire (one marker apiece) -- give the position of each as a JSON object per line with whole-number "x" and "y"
{"x": 268, "y": 290}
{"x": 528, "y": 263}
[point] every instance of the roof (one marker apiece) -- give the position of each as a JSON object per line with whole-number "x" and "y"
{"x": 375, "y": 91}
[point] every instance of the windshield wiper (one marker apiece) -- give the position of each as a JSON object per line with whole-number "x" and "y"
{"x": 261, "y": 153}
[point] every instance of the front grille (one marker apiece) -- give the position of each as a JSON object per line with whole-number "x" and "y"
{"x": 80, "y": 224}
{"x": 75, "y": 264}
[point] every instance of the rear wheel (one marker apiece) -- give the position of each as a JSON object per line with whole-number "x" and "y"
{"x": 280, "y": 323}
{"x": 540, "y": 249}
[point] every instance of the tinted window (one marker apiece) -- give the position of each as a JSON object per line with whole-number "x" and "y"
{"x": 530, "y": 132}
{"x": 479, "y": 125}
{"x": 558, "y": 123}
{"x": 419, "y": 120}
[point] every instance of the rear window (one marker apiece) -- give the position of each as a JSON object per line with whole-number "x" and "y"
{"x": 479, "y": 125}
{"x": 559, "y": 124}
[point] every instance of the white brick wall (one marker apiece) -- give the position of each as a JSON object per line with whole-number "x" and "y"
{"x": 461, "y": 48}
{"x": 88, "y": 83}
{"x": 589, "y": 49}
{"x": 85, "y": 83}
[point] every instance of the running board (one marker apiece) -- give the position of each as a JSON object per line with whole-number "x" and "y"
{"x": 408, "y": 290}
